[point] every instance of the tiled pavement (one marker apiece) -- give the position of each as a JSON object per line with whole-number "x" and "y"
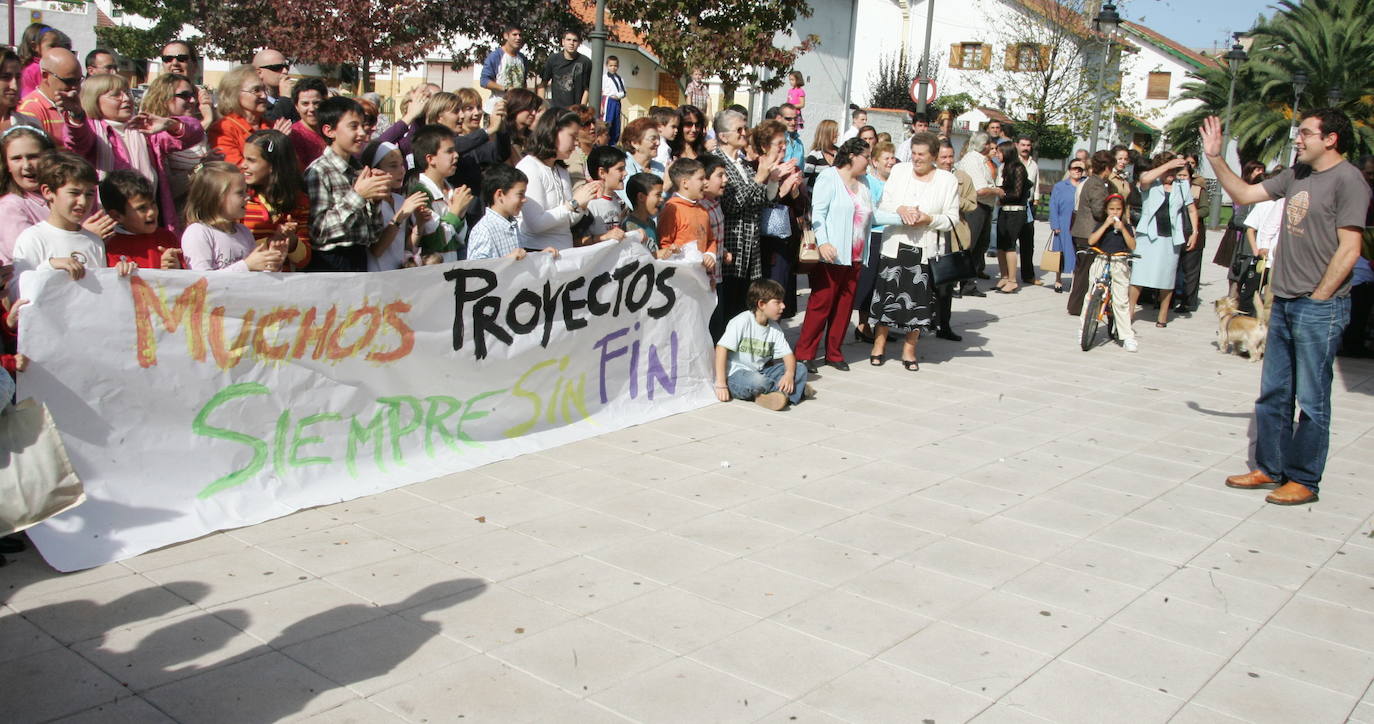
{"x": 1019, "y": 532}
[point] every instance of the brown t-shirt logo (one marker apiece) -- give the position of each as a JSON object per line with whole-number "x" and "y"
{"x": 1296, "y": 212}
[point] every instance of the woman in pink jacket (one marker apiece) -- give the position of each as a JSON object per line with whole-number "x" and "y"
{"x": 141, "y": 141}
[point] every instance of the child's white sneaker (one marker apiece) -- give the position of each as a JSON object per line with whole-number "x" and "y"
{"x": 771, "y": 400}
{"x": 1131, "y": 345}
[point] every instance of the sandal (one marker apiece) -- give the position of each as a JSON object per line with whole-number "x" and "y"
{"x": 877, "y": 360}
{"x": 1161, "y": 325}
{"x": 1006, "y": 290}
{"x": 1059, "y": 289}
{"x": 911, "y": 365}
{"x": 861, "y": 336}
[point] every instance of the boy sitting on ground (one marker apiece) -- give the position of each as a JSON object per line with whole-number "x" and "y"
{"x": 753, "y": 359}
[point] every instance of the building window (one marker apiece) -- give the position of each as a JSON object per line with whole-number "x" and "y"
{"x": 1157, "y": 88}
{"x": 1027, "y": 57}
{"x": 970, "y": 56}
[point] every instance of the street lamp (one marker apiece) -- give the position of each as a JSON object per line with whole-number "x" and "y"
{"x": 598, "y": 37}
{"x": 924, "y": 79}
{"x": 1299, "y": 85}
{"x": 1106, "y": 23}
{"x": 1333, "y": 97}
{"x": 1234, "y": 57}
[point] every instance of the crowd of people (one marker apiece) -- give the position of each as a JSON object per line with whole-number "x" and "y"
{"x": 272, "y": 174}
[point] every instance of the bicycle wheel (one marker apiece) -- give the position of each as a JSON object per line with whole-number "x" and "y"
{"x": 1094, "y": 312}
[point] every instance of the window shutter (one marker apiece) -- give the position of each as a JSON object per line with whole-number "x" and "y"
{"x": 1157, "y": 87}
{"x": 985, "y": 57}
{"x": 956, "y": 55}
{"x": 1010, "y": 61}
{"x": 1044, "y": 58}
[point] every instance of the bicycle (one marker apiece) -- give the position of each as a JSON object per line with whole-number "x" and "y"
{"x": 1099, "y": 304}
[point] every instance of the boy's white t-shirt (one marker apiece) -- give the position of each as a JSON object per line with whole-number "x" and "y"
{"x": 607, "y": 211}
{"x": 43, "y": 241}
{"x": 753, "y": 344}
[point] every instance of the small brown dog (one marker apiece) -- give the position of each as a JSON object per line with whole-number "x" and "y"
{"x": 1236, "y": 331}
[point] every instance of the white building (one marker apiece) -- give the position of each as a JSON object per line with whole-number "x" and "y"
{"x": 1154, "y": 79}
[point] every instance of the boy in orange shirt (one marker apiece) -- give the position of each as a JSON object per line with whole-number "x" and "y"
{"x": 683, "y": 219}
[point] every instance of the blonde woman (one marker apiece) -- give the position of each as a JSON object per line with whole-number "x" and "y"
{"x": 174, "y": 96}
{"x": 823, "y": 150}
{"x": 140, "y": 141}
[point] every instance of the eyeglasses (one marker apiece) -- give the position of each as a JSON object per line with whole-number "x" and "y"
{"x": 257, "y": 91}
{"x": 71, "y": 82}
{"x": 185, "y": 95}
{"x": 178, "y": 58}
{"x": 276, "y": 67}
{"x": 1309, "y": 133}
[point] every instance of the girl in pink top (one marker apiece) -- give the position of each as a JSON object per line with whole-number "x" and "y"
{"x": 21, "y": 206}
{"x": 796, "y": 95}
{"x": 214, "y": 239}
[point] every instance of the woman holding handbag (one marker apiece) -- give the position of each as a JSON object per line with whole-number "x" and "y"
{"x": 927, "y": 199}
{"x": 1063, "y": 201}
{"x": 842, "y": 216}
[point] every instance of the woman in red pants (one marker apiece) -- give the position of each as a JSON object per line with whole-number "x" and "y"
{"x": 842, "y": 216}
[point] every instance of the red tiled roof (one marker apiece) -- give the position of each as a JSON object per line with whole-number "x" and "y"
{"x": 102, "y": 20}
{"x": 1154, "y": 38}
{"x": 618, "y": 29}
{"x": 994, "y": 115}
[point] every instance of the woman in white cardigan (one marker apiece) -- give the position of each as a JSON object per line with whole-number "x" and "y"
{"x": 843, "y": 217}
{"x": 902, "y": 298}
{"x": 552, "y": 207}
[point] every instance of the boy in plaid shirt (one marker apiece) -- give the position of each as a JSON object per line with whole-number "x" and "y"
{"x": 345, "y": 196}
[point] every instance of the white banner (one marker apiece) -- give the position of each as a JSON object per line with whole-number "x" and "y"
{"x": 195, "y": 402}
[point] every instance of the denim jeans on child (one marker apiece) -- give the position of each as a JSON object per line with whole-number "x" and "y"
{"x": 747, "y": 384}
{"x": 1304, "y": 334}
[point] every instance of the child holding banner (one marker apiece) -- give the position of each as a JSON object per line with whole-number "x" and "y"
{"x": 496, "y": 234}
{"x": 131, "y": 200}
{"x": 684, "y": 220}
{"x": 67, "y": 183}
{"x": 607, "y": 165}
{"x": 753, "y": 359}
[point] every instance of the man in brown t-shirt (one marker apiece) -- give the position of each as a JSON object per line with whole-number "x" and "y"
{"x": 1325, "y": 202}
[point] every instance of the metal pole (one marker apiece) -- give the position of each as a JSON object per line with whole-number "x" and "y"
{"x": 598, "y": 37}
{"x": 1215, "y": 214}
{"x": 1097, "y": 101}
{"x": 924, "y": 77}
{"x": 1292, "y": 132}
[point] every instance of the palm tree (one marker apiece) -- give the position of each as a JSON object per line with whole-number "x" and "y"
{"x": 1331, "y": 41}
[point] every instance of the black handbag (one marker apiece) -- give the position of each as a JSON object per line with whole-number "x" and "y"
{"x": 951, "y": 268}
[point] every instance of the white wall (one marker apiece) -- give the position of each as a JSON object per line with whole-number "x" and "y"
{"x": 1136, "y": 78}
{"x": 826, "y": 67}
{"x": 79, "y": 24}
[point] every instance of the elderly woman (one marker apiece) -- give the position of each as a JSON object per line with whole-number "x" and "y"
{"x": 902, "y": 297}
{"x": 142, "y": 142}
{"x": 1159, "y": 235}
{"x": 842, "y": 215}
{"x": 747, "y": 191}
{"x": 779, "y": 245}
{"x": 1063, "y": 200}
{"x": 243, "y": 109}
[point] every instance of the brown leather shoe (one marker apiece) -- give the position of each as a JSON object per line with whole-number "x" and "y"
{"x": 1253, "y": 480}
{"x": 1291, "y": 493}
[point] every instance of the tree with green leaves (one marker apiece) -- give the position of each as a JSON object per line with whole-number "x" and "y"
{"x": 1331, "y": 41}
{"x": 735, "y": 41}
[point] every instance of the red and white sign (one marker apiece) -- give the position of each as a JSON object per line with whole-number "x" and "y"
{"x": 915, "y": 91}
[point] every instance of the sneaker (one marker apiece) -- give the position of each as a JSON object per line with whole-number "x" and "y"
{"x": 1131, "y": 345}
{"x": 808, "y": 392}
{"x": 771, "y": 400}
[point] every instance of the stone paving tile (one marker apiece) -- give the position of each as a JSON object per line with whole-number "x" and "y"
{"x": 977, "y": 542}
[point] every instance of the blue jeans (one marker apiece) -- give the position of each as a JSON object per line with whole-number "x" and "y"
{"x": 747, "y": 384}
{"x": 1304, "y": 335}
